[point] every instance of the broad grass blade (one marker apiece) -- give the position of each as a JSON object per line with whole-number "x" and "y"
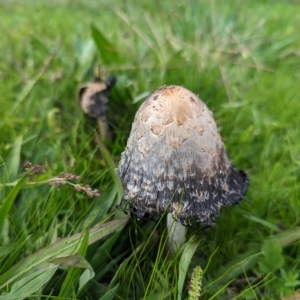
{"x": 13, "y": 162}
{"x": 243, "y": 262}
{"x": 76, "y": 262}
{"x": 30, "y": 283}
{"x": 108, "y": 52}
{"x": 9, "y": 201}
{"x": 185, "y": 261}
{"x": 110, "y": 294}
{"x": 64, "y": 247}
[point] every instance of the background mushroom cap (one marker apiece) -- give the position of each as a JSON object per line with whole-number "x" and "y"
{"x": 93, "y": 97}
{"x": 175, "y": 161}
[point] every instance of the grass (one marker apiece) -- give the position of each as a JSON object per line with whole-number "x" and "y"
{"x": 240, "y": 57}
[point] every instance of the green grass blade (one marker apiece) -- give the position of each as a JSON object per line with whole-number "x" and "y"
{"x": 9, "y": 201}
{"x": 109, "y": 53}
{"x": 85, "y": 60}
{"x": 287, "y": 237}
{"x": 110, "y": 294}
{"x": 64, "y": 247}
{"x": 245, "y": 261}
{"x": 122, "y": 268}
{"x": 12, "y": 252}
{"x": 111, "y": 168}
{"x": 30, "y": 283}
{"x": 69, "y": 285}
{"x": 221, "y": 290}
{"x": 160, "y": 295}
{"x": 86, "y": 276}
{"x": 234, "y": 270}
{"x": 185, "y": 261}
{"x": 13, "y": 162}
{"x": 262, "y": 222}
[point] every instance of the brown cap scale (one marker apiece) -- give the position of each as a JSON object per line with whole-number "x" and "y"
{"x": 93, "y": 100}
{"x": 175, "y": 161}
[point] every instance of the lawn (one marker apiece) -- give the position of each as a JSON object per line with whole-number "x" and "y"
{"x": 57, "y": 241}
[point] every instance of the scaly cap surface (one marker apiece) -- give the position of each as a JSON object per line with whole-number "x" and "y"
{"x": 175, "y": 160}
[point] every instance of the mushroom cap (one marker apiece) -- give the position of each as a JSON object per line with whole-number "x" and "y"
{"x": 93, "y": 97}
{"x": 175, "y": 161}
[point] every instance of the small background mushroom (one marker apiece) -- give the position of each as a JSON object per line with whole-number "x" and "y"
{"x": 93, "y": 100}
{"x": 175, "y": 161}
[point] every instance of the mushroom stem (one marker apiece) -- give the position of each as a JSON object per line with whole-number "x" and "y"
{"x": 103, "y": 129}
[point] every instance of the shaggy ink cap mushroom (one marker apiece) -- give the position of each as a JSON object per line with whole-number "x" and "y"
{"x": 175, "y": 161}
{"x": 93, "y": 97}
{"x": 93, "y": 100}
